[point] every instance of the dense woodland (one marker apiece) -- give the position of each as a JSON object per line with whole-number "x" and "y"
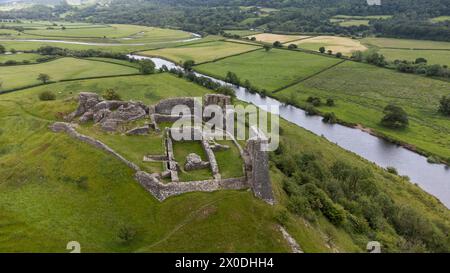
{"x": 410, "y": 17}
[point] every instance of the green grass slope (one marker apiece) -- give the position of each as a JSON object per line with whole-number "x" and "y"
{"x": 55, "y": 189}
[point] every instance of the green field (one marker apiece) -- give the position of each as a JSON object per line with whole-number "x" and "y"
{"x": 405, "y": 43}
{"x": 269, "y": 70}
{"x": 351, "y": 23}
{"x": 360, "y": 97}
{"x": 440, "y": 19}
{"x": 201, "y": 52}
{"x": 242, "y": 33}
{"x": 30, "y": 57}
{"x": 403, "y": 49}
{"x": 60, "y": 69}
{"x": 368, "y": 17}
{"x": 441, "y": 57}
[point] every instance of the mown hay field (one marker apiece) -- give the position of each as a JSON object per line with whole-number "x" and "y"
{"x": 336, "y": 44}
{"x": 201, "y": 52}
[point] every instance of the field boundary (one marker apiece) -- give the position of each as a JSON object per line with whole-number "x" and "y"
{"x": 229, "y": 56}
{"x": 308, "y": 77}
{"x": 66, "y": 80}
{"x": 301, "y": 39}
{"x": 109, "y": 62}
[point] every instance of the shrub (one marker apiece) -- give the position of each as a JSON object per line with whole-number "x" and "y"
{"x": 329, "y": 118}
{"x": 10, "y": 62}
{"x": 146, "y": 67}
{"x": 322, "y": 49}
{"x": 433, "y": 160}
{"x": 225, "y": 90}
{"x": 421, "y": 61}
{"x": 395, "y": 117}
{"x": 339, "y": 55}
{"x": 44, "y": 78}
{"x": 282, "y": 217}
{"x": 267, "y": 48}
{"x": 126, "y": 234}
{"x": 330, "y": 102}
{"x": 46, "y": 96}
{"x": 232, "y": 78}
{"x": 392, "y": 170}
{"x": 311, "y": 110}
{"x": 111, "y": 94}
{"x": 292, "y": 46}
{"x": 314, "y": 101}
{"x": 277, "y": 44}
{"x": 188, "y": 65}
{"x": 444, "y": 105}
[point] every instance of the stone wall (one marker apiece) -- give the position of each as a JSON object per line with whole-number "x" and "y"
{"x": 211, "y": 158}
{"x": 162, "y": 191}
{"x": 165, "y": 106}
{"x": 172, "y": 165}
{"x": 68, "y": 128}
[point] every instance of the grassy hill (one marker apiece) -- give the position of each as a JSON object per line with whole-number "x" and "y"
{"x": 68, "y": 190}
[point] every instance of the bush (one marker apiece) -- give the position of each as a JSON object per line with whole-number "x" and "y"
{"x": 395, "y": 117}
{"x": 46, "y": 96}
{"x": 146, "y": 67}
{"x": 292, "y": 46}
{"x": 277, "y": 44}
{"x": 339, "y": 55}
{"x": 322, "y": 49}
{"x": 282, "y": 217}
{"x": 444, "y": 105}
{"x": 392, "y": 170}
{"x": 188, "y": 65}
{"x": 433, "y": 160}
{"x": 225, "y": 90}
{"x": 311, "y": 110}
{"x": 126, "y": 234}
{"x": 314, "y": 101}
{"x": 329, "y": 118}
{"x": 330, "y": 102}
{"x": 111, "y": 94}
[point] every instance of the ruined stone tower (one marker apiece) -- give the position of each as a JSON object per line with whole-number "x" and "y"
{"x": 258, "y": 168}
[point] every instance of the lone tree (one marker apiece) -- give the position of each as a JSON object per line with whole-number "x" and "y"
{"x": 322, "y": 49}
{"x": 394, "y": 117}
{"x": 187, "y": 65}
{"x": 2, "y": 49}
{"x": 147, "y": 67}
{"x": 267, "y": 48}
{"x": 44, "y": 78}
{"x": 444, "y": 107}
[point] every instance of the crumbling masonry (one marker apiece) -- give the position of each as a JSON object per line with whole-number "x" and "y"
{"x": 112, "y": 115}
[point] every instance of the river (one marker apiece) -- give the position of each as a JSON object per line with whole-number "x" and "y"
{"x": 194, "y": 38}
{"x": 432, "y": 178}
